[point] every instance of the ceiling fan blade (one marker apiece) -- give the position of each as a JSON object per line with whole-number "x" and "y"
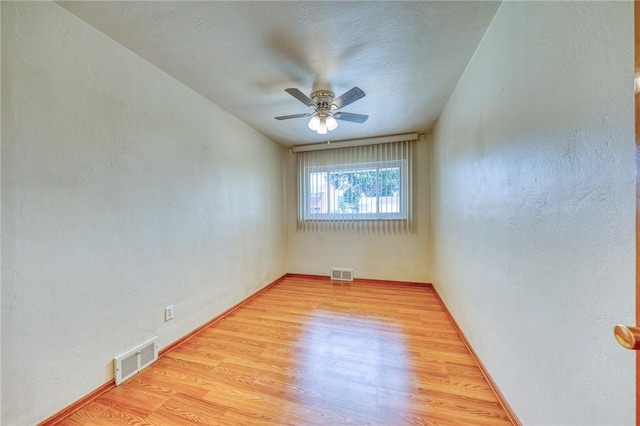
{"x": 348, "y": 98}
{"x": 300, "y": 96}
{"x": 348, "y": 116}
{"x": 287, "y": 117}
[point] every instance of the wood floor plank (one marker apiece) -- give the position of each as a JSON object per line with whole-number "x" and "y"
{"x": 309, "y": 351}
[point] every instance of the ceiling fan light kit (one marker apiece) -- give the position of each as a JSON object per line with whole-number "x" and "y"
{"x": 326, "y": 105}
{"x": 323, "y": 123}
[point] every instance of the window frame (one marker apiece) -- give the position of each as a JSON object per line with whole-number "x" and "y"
{"x": 403, "y": 194}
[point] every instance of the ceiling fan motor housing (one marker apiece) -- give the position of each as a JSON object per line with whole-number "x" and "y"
{"x": 323, "y": 99}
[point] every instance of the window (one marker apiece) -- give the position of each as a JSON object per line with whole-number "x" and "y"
{"x": 361, "y": 191}
{"x": 364, "y": 187}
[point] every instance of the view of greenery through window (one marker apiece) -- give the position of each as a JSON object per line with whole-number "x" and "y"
{"x": 371, "y": 191}
{"x": 368, "y": 183}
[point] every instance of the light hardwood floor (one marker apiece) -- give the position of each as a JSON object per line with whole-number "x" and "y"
{"x": 309, "y": 351}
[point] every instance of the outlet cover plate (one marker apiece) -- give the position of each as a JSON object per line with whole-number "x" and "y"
{"x": 168, "y": 313}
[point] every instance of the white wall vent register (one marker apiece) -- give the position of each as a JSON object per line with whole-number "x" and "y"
{"x": 341, "y": 274}
{"x": 129, "y": 363}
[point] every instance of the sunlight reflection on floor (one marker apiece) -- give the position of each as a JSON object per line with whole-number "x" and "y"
{"x": 354, "y": 367}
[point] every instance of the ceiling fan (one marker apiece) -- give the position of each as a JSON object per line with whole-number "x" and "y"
{"x": 325, "y": 108}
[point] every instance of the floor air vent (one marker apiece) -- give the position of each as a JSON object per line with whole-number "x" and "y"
{"x": 129, "y": 363}
{"x": 341, "y": 274}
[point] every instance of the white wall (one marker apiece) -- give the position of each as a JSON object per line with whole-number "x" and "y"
{"x": 375, "y": 255}
{"x": 123, "y": 191}
{"x": 533, "y": 207}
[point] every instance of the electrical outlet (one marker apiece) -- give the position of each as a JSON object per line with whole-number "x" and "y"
{"x": 168, "y": 313}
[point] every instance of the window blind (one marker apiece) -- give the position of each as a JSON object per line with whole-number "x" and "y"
{"x": 364, "y": 188}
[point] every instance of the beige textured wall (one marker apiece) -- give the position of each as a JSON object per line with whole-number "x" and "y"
{"x": 533, "y": 208}
{"x": 123, "y": 191}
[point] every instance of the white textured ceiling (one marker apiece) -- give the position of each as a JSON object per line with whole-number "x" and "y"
{"x": 406, "y": 56}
